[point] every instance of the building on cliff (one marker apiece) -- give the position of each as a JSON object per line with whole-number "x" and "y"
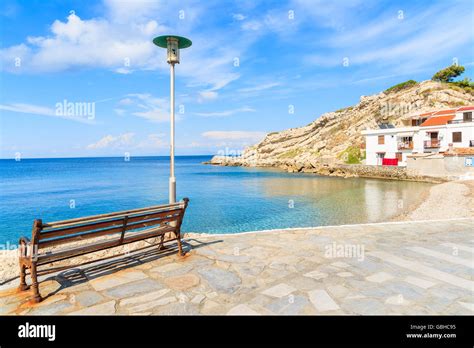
{"x": 437, "y": 132}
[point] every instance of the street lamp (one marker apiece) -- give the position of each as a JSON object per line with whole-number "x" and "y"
{"x": 172, "y": 43}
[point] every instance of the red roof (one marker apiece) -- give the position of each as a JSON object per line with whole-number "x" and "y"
{"x": 427, "y": 114}
{"x": 465, "y": 108}
{"x": 437, "y": 121}
{"x": 445, "y": 112}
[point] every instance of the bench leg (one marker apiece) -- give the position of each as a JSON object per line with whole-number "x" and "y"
{"x": 34, "y": 284}
{"x": 162, "y": 239}
{"x": 180, "y": 247}
{"x": 23, "y": 285}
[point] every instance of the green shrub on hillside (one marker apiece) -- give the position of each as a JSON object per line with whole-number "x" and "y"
{"x": 448, "y": 74}
{"x": 349, "y": 108}
{"x": 401, "y": 86}
{"x": 290, "y": 153}
{"x": 352, "y": 155}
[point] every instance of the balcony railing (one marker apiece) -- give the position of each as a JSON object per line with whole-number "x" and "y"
{"x": 430, "y": 144}
{"x": 460, "y": 121}
{"x": 406, "y": 145}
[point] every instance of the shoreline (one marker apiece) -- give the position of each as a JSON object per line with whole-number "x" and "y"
{"x": 458, "y": 203}
{"x": 390, "y": 173}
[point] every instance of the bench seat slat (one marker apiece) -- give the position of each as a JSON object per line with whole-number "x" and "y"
{"x": 120, "y": 214}
{"x": 64, "y": 254}
{"x": 75, "y": 228}
{"x": 58, "y": 241}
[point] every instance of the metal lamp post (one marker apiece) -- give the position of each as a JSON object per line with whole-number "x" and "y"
{"x": 173, "y": 44}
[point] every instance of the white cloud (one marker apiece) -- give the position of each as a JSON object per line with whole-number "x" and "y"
{"x": 85, "y": 43}
{"x": 399, "y": 45}
{"x": 259, "y": 87}
{"x": 238, "y": 16}
{"x": 29, "y": 109}
{"x": 207, "y": 95}
{"x": 224, "y": 113}
{"x": 43, "y": 111}
{"x": 154, "y": 141}
{"x": 119, "y": 112}
{"x": 121, "y": 41}
{"x": 146, "y": 106}
{"x": 234, "y": 135}
{"x": 253, "y": 25}
{"x": 110, "y": 141}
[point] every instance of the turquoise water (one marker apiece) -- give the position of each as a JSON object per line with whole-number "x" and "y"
{"x": 222, "y": 199}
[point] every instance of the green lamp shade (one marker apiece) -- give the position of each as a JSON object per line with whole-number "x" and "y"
{"x": 182, "y": 41}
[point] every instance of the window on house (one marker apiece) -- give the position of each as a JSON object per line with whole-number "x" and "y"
{"x": 457, "y": 137}
{"x": 399, "y": 156}
{"x": 381, "y": 139}
{"x": 467, "y": 116}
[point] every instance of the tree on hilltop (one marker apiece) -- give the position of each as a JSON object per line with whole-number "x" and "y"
{"x": 448, "y": 74}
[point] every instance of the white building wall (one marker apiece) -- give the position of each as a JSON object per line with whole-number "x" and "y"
{"x": 467, "y": 130}
{"x": 420, "y": 135}
{"x": 371, "y": 149}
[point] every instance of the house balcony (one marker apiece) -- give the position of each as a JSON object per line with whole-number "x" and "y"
{"x": 406, "y": 145}
{"x": 460, "y": 121}
{"x": 432, "y": 144}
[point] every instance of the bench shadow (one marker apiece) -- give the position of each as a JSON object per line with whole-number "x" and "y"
{"x": 73, "y": 275}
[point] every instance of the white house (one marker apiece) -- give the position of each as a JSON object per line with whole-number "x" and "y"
{"x": 432, "y": 132}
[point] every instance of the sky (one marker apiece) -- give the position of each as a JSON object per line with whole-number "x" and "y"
{"x": 83, "y": 78}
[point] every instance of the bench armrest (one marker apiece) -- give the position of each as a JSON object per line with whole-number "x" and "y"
{"x": 24, "y": 244}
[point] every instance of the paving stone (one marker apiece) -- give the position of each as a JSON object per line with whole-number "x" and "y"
{"x": 52, "y": 299}
{"x": 289, "y": 305}
{"x": 345, "y": 274}
{"x": 7, "y": 308}
{"x": 340, "y": 264}
{"x": 133, "y": 288}
{"x": 379, "y": 277}
{"x": 52, "y": 309}
{"x": 212, "y": 294}
{"x": 365, "y": 306}
{"x": 398, "y": 300}
{"x": 316, "y": 275}
{"x": 182, "y": 282}
{"x": 422, "y": 283}
{"x": 198, "y": 299}
{"x": 233, "y": 258}
{"x": 322, "y": 301}
{"x": 152, "y": 304}
{"x": 172, "y": 269}
{"x": 425, "y": 270}
{"x": 279, "y": 290}
{"x": 338, "y": 291}
{"x": 467, "y": 305}
{"x": 178, "y": 309}
{"x": 86, "y": 298}
{"x": 221, "y": 280}
{"x": 151, "y": 296}
{"x": 242, "y": 309}
{"x": 116, "y": 279}
{"x": 211, "y": 307}
{"x": 106, "y": 308}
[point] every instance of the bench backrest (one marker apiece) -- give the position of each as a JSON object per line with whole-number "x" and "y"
{"x": 123, "y": 226}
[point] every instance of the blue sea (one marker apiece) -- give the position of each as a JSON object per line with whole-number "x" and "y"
{"x": 222, "y": 199}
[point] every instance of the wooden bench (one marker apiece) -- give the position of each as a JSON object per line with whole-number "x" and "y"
{"x": 60, "y": 240}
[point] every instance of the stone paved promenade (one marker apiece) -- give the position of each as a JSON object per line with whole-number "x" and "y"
{"x": 387, "y": 268}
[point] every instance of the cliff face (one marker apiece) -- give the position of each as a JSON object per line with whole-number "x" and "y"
{"x": 334, "y": 135}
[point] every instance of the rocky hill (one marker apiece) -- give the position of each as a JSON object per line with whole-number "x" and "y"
{"x": 335, "y": 137}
